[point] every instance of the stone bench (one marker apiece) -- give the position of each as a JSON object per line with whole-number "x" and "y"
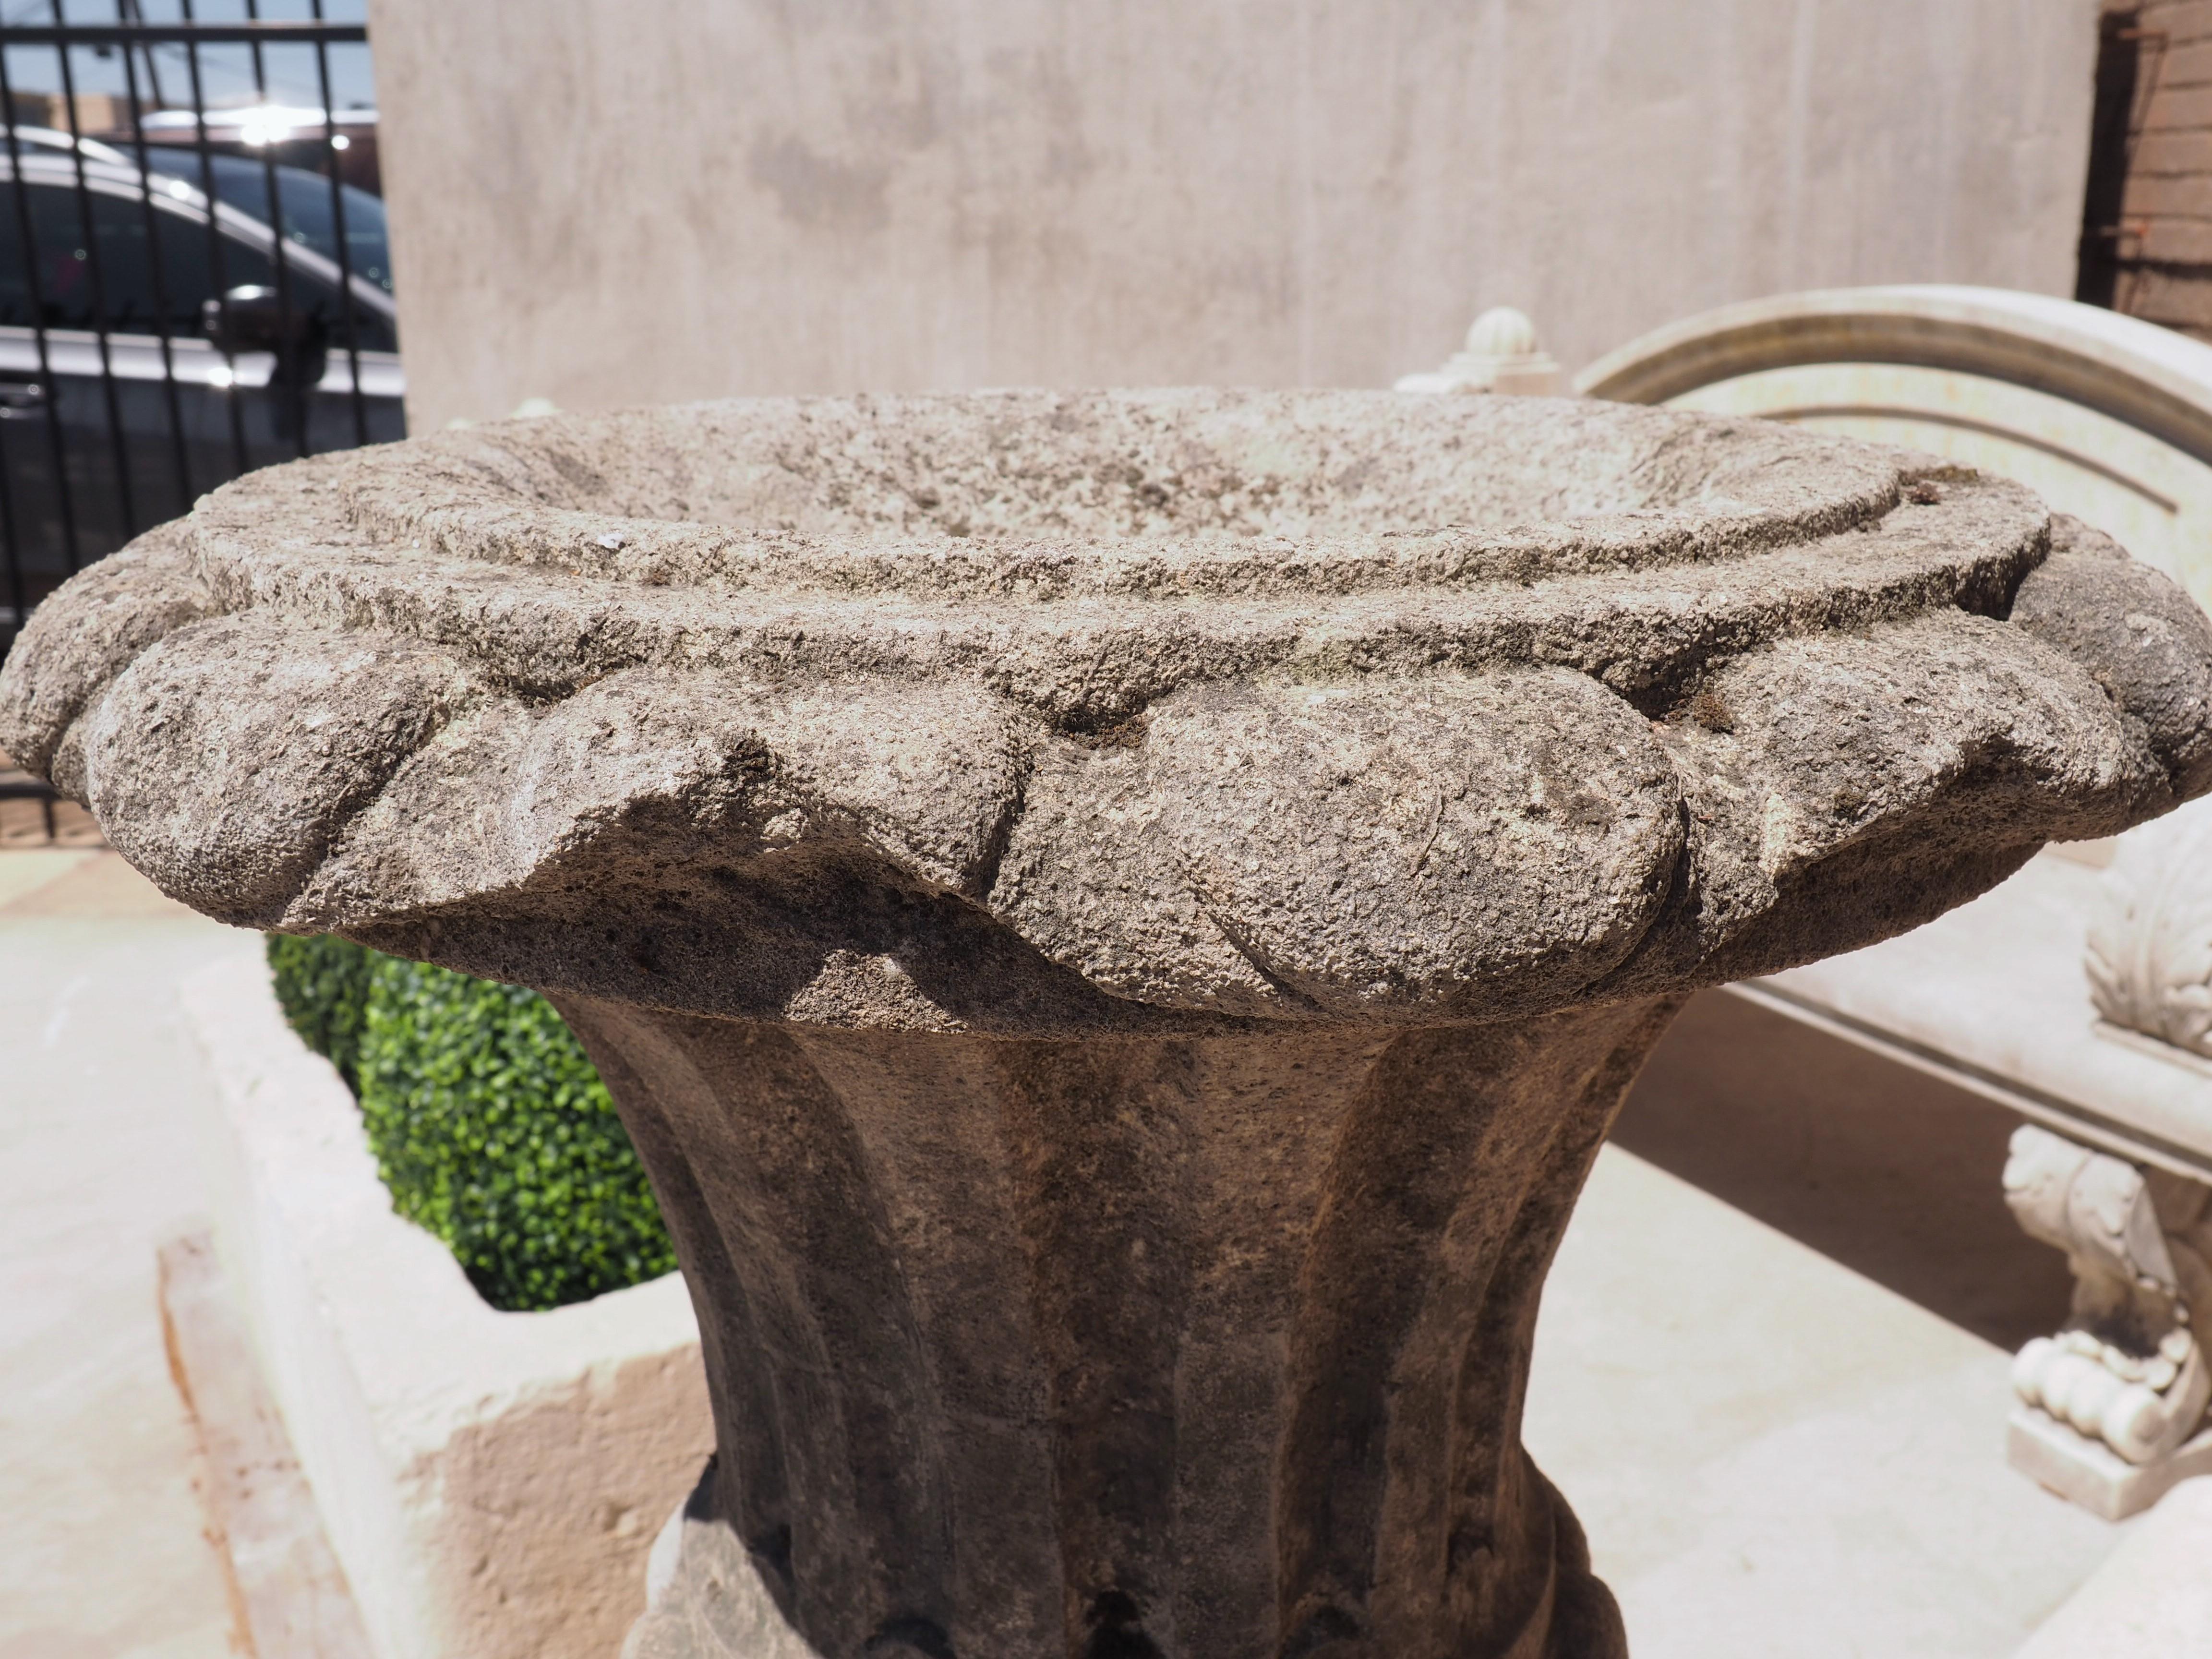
{"x": 2074, "y": 994}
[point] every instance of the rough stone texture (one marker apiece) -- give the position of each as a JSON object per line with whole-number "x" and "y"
{"x": 1033, "y": 714}
{"x": 1276, "y": 1294}
{"x": 2144, "y": 641}
{"x": 1116, "y": 921}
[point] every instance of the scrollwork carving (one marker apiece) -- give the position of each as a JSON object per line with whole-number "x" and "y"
{"x": 2128, "y": 1370}
{"x": 2149, "y": 959}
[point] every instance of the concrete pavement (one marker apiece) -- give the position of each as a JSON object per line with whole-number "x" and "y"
{"x": 102, "y": 1553}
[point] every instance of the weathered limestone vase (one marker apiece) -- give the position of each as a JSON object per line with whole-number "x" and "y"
{"x": 1117, "y": 922}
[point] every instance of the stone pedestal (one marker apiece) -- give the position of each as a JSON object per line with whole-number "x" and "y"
{"x": 1070, "y": 1346}
{"x": 1117, "y": 922}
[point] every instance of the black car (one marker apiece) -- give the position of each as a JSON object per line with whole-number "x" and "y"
{"x": 154, "y": 345}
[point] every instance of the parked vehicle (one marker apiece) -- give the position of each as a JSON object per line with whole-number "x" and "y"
{"x": 154, "y": 342}
{"x": 290, "y": 135}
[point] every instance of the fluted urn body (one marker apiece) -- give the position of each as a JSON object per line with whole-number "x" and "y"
{"x": 1116, "y": 922}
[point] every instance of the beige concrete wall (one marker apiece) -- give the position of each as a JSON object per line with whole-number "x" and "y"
{"x": 604, "y": 202}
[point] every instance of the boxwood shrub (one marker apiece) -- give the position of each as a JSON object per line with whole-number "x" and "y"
{"x": 322, "y": 984}
{"x": 487, "y": 1122}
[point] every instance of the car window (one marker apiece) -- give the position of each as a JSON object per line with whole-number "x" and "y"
{"x": 137, "y": 296}
{"x": 309, "y": 218}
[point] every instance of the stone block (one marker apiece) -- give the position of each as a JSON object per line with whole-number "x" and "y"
{"x": 2055, "y": 1455}
{"x": 490, "y": 1482}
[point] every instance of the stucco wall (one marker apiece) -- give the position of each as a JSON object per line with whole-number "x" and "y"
{"x": 603, "y": 202}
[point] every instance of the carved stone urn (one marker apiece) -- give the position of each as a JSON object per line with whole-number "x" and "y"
{"x": 1116, "y": 922}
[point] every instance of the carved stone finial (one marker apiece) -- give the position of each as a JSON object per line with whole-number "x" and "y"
{"x": 1502, "y": 355}
{"x": 1502, "y": 331}
{"x": 1116, "y": 922}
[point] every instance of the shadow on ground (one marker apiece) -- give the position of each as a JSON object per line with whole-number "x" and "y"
{"x": 1889, "y": 1172}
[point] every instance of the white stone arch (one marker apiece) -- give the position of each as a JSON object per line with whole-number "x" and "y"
{"x": 2106, "y": 417}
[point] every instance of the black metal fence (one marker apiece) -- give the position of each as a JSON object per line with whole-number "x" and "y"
{"x": 194, "y": 276}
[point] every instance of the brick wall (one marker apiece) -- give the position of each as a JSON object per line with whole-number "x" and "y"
{"x": 2146, "y": 236}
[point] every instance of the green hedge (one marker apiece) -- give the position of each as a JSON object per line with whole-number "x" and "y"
{"x": 323, "y": 985}
{"x": 487, "y": 1119}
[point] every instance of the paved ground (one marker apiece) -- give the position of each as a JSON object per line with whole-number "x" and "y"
{"x": 1775, "y": 1457}
{"x": 101, "y": 1552}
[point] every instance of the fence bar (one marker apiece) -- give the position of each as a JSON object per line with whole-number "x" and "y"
{"x": 97, "y": 277}
{"x": 338, "y": 229}
{"x": 216, "y": 274}
{"x": 161, "y": 313}
{"x": 19, "y": 590}
{"x": 187, "y": 33}
{"x": 49, "y": 384}
{"x": 289, "y": 384}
